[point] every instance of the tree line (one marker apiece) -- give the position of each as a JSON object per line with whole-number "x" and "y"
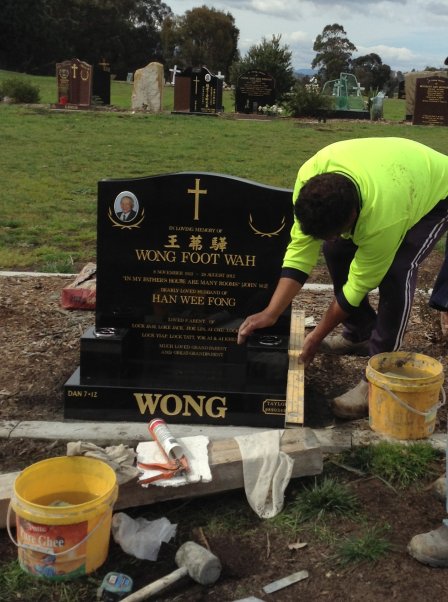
{"x": 128, "y": 34}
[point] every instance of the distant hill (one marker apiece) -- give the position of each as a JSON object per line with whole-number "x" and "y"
{"x": 301, "y": 72}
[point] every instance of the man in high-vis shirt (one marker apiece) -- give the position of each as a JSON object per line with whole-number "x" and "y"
{"x": 380, "y": 205}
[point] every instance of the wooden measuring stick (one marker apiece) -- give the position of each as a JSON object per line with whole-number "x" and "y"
{"x": 294, "y": 411}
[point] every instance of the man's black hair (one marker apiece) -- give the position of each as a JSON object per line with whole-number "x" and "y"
{"x": 325, "y": 205}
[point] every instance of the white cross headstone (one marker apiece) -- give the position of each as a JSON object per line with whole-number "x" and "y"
{"x": 174, "y": 71}
{"x": 219, "y": 75}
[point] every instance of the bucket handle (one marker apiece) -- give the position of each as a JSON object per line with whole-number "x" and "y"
{"x": 49, "y": 551}
{"x": 426, "y": 414}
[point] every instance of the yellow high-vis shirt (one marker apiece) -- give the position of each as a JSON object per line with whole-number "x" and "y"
{"x": 399, "y": 181}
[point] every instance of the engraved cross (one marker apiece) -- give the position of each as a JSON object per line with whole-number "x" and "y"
{"x": 74, "y": 68}
{"x": 197, "y": 192}
{"x": 196, "y": 81}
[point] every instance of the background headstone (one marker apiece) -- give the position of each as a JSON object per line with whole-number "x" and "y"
{"x": 197, "y": 90}
{"x": 200, "y": 253}
{"x": 74, "y": 81}
{"x": 410, "y": 80}
{"x": 431, "y": 101}
{"x": 254, "y": 89}
{"x": 148, "y": 88}
{"x": 101, "y": 83}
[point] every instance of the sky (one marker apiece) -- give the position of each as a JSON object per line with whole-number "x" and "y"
{"x": 406, "y": 34}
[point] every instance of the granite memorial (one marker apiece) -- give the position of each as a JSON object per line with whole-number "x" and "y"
{"x": 147, "y": 92}
{"x": 101, "y": 83}
{"x": 182, "y": 259}
{"x": 197, "y": 90}
{"x": 254, "y": 89}
{"x": 74, "y": 81}
{"x": 431, "y": 101}
{"x": 410, "y": 86}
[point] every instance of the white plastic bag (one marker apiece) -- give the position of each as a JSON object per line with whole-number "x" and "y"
{"x": 140, "y": 537}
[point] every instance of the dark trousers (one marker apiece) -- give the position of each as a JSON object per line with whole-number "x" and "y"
{"x": 439, "y": 295}
{"x": 385, "y": 328}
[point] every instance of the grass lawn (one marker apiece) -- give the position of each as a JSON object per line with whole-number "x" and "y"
{"x": 51, "y": 162}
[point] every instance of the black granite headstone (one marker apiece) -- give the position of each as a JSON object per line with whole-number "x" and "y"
{"x": 254, "y": 89}
{"x": 101, "y": 83}
{"x": 182, "y": 259}
{"x": 197, "y": 90}
{"x": 431, "y": 101}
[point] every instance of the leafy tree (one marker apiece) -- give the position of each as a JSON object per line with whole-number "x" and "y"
{"x": 271, "y": 57}
{"x": 333, "y": 52}
{"x": 203, "y": 36}
{"x": 370, "y": 71}
{"x": 35, "y": 34}
{"x": 306, "y": 100}
{"x": 27, "y": 31}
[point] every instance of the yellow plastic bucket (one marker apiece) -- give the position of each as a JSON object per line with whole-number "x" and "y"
{"x": 63, "y": 510}
{"x": 404, "y": 390}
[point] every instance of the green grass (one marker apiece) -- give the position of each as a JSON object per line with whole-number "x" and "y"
{"x": 14, "y": 580}
{"x": 398, "y": 464}
{"x": 369, "y": 546}
{"x": 326, "y": 497}
{"x": 51, "y": 162}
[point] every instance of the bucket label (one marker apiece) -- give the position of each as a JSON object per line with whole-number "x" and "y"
{"x": 52, "y": 555}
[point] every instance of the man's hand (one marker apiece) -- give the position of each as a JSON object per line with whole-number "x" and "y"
{"x": 310, "y": 347}
{"x": 261, "y": 320}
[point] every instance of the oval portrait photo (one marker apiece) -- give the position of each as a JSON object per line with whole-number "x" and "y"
{"x": 126, "y": 206}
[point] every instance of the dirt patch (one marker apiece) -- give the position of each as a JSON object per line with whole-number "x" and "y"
{"x": 40, "y": 350}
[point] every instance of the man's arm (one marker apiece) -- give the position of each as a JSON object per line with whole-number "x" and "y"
{"x": 287, "y": 289}
{"x": 332, "y": 317}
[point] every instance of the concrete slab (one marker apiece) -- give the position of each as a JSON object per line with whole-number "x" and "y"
{"x": 332, "y": 440}
{"x": 109, "y": 433}
{"x": 6, "y": 427}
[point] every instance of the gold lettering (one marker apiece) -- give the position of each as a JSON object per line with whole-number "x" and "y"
{"x": 221, "y": 301}
{"x": 155, "y": 255}
{"x": 195, "y": 257}
{"x": 220, "y": 409}
{"x": 157, "y": 298}
{"x": 192, "y": 300}
{"x": 198, "y": 407}
{"x": 171, "y": 404}
{"x": 177, "y": 404}
{"x": 246, "y": 261}
{"x": 146, "y": 401}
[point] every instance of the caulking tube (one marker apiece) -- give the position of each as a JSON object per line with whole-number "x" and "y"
{"x": 167, "y": 442}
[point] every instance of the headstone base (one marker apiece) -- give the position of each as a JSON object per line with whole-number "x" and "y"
{"x": 99, "y": 399}
{"x": 69, "y": 107}
{"x": 195, "y": 113}
{"x": 347, "y": 114}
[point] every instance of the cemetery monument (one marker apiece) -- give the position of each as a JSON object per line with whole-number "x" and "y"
{"x": 431, "y": 101}
{"x": 74, "y": 82}
{"x": 254, "y": 89}
{"x": 198, "y": 91}
{"x": 199, "y": 252}
{"x": 147, "y": 93}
